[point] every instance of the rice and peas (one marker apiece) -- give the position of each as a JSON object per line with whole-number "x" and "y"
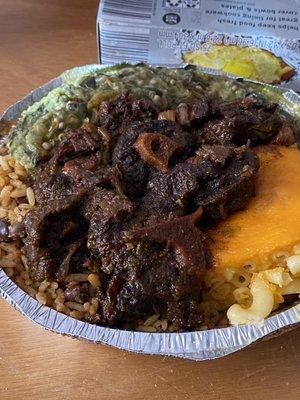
{"x": 221, "y": 292}
{"x": 16, "y": 199}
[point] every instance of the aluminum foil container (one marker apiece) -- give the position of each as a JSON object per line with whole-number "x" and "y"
{"x": 198, "y": 345}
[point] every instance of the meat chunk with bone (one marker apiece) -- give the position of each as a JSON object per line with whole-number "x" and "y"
{"x": 135, "y": 171}
{"x": 156, "y": 150}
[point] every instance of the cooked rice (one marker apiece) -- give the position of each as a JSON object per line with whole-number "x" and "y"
{"x": 94, "y": 280}
{"x": 221, "y": 291}
{"x": 12, "y": 188}
{"x": 77, "y": 278}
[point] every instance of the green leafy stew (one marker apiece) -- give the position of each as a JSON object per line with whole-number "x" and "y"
{"x": 46, "y": 122}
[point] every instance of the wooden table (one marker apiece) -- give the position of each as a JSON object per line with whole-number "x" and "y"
{"x": 39, "y": 39}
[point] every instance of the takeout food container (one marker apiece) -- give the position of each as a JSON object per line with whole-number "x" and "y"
{"x": 198, "y": 345}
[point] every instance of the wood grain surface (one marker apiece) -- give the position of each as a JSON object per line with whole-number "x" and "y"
{"x": 38, "y": 40}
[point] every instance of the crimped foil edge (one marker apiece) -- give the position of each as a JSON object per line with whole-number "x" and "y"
{"x": 199, "y": 345}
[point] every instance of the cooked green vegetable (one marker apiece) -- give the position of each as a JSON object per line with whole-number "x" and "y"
{"x": 44, "y": 123}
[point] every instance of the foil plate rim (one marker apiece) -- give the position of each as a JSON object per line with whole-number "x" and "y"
{"x": 197, "y": 345}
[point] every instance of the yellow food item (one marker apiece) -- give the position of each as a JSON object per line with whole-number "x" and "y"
{"x": 270, "y": 223}
{"x": 247, "y": 62}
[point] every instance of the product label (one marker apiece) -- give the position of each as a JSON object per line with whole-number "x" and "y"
{"x": 159, "y": 31}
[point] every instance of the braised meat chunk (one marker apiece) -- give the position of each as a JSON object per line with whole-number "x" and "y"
{"x": 120, "y": 112}
{"x": 132, "y": 158}
{"x": 227, "y": 176}
{"x": 239, "y": 122}
{"x": 127, "y": 200}
{"x": 55, "y": 232}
